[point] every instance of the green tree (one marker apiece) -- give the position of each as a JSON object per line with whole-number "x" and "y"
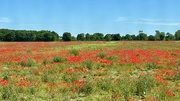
{"x": 133, "y": 37}
{"x": 80, "y": 37}
{"x": 10, "y": 36}
{"x": 108, "y": 37}
{"x": 97, "y": 36}
{"x": 73, "y": 38}
{"x": 151, "y": 38}
{"x": 56, "y": 35}
{"x": 159, "y": 35}
{"x": 66, "y": 36}
{"x": 39, "y": 36}
{"x": 88, "y": 37}
{"x": 128, "y": 37}
{"x": 169, "y": 36}
{"x": 177, "y": 35}
{"x": 20, "y": 35}
{"x": 48, "y": 36}
{"x": 116, "y": 37}
{"x": 142, "y": 36}
{"x": 1, "y": 36}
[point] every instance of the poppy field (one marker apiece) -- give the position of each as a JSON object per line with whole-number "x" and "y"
{"x": 90, "y": 71}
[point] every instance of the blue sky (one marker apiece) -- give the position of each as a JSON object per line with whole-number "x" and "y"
{"x": 90, "y": 16}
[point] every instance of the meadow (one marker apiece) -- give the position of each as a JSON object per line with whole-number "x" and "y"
{"x": 90, "y": 71}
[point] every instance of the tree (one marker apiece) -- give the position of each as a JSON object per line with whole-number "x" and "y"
{"x": 66, "y": 36}
{"x": 108, "y": 37}
{"x": 10, "y": 36}
{"x": 73, "y": 38}
{"x": 80, "y": 37}
{"x": 56, "y": 36}
{"x": 177, "y": 35}
{"x": 48, "y": 36}
{"x": 142, "y": 36}
{"x": 128, "y": 37}
{"x": 1, "y": 36}
{"x": 88, "y": 36}
{"x": 97, "y": 36}
{"x": 159, "y": 35}
{"x": 169, "y": 36}
{"x": 116, "y": 37}
{"x": 133, "y": 37}
{"x": 151, "y": 38}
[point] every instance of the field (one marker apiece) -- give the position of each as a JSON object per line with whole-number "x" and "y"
{"x": 90, "y": 71}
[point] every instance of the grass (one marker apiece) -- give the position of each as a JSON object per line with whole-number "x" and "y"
{"x": 100, "y": 71}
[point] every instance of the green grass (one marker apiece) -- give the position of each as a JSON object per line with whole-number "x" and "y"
{"x": 38, "y": 78}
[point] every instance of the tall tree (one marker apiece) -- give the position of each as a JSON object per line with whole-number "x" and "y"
{"x": 97, "y": 36}
{"x": 169, "y": 36}
{"x": 66, "y": 36}
{"x": 177, "y": 35}
{"x": 151, "y": 38}
{"x": 128, "y": 37}
{"x": 108, "y": 37}
{"x": 1, "y": 36}
{"x": 10, "y": 36}
{"x": 116, "y": 37}
{"x": 80, "y": 37}
{"x": 133, "y": 37}
{"x": 159, "y": 35}
{"x": 88, "y": 37}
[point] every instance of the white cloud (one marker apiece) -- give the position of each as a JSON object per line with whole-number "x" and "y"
{"x": 121, "y": 19}
{"x": 162, "y": 22}
{"x": 36, "y": 24}
{"x": 148, "y": 21}
{"x": 4, "y": 19}
{"x": 159, "y": 23}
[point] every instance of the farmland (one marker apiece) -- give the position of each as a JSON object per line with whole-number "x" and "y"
{"x": 90, "y": 71}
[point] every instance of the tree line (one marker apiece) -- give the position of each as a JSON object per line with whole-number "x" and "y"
{"x": 46, "y": 35}
{"x": 28, "y": 35}
{"x": 159, "y": 36}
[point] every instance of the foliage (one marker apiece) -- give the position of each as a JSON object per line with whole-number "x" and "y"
{"x": 88, "y": 64}
{"x": 144, "y": 85}
{"x": 176, "y": 77}
{"x": 90, "y": 71}
{"x": 102, "y": 55}
{"x": 28, "y": 63}
{"x": 159, "y": 35}
{"x": 80, "y": 37}
{"x": 59, "y": 59}
{"x": 45, "y": 35}
{"x": 27, "y": 35}
{"x": 75, "y": 52}
{"x": 116, "y": 37}
{"x": 108, "y": 37}
{"x": 66, "y": 36}
{"x": 177, "y": 35}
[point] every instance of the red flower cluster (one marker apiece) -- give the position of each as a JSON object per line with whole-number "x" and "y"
{"x": 4, "y": 82}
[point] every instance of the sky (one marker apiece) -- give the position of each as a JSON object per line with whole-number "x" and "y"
{"x": 91, "y": 16}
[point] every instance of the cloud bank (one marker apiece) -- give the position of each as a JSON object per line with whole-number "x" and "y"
{"x": 4, "y": 20}
{"x": 146, "y": 21}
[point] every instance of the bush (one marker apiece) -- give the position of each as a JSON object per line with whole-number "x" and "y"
{"x": 6, "y": 76}
{"x": 75, "y": 52}
{"x": 46, "y": 61}
{"x": 176, "y": 77}
{"x": 144, "y": 84}
{"x": 29, "y": 63}
{"x": 102, "y": 55}
{"x": 89, "y": 64}
{"x": 59, "y": 59}
{"x": 86, "y": 89}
